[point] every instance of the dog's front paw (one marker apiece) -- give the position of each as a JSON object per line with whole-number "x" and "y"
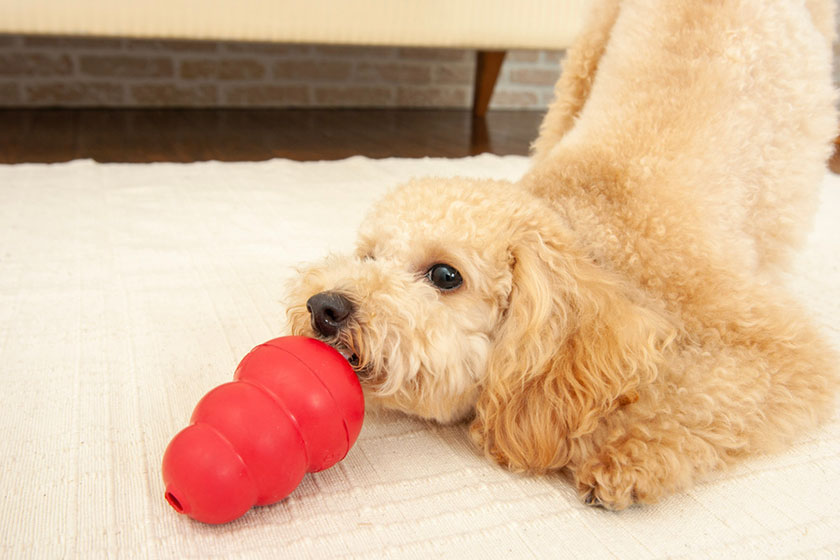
{"x": 613, "y": 482}
{"x": 599, "y": 487}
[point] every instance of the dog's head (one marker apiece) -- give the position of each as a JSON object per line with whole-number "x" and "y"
{"x": 468, "y": 296}
{"x": 416, "y": 308}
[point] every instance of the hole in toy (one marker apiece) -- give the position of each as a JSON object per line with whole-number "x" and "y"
{"x": 173, "y": 501}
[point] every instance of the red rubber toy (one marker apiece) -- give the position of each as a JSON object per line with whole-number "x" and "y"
{"x": 295, "y": 406}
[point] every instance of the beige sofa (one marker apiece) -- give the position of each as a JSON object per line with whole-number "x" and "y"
{"x": 491, "y": 27}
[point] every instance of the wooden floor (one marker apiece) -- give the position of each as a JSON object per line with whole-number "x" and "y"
{"x": 118, "y": 135}
{"x": 184, "y": 135}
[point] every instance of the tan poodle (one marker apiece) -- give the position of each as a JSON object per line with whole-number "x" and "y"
{"x": 621, "y": 311}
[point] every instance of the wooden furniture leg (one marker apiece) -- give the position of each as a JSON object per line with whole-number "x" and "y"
{"x": 834, "y": 160}
{"x": 487, "y": 66}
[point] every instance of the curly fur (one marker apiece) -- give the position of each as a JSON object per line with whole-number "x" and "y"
{"x": 623, "y": 313}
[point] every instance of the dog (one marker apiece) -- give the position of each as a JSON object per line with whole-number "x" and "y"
{"x": 619, "y": 313}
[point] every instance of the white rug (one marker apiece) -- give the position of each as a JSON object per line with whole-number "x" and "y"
{"x": 128, "y": 291}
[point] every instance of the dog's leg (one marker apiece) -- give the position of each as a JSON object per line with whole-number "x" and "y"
{"x": 822, "y": 14}
{"x": 655, "y": 459}
{"x": 751, "y": 382}
{"x": 579, "y": 68}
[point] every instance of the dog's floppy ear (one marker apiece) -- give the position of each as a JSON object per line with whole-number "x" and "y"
{"x": 572, "y": 347}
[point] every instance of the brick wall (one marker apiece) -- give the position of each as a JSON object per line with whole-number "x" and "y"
{"x": 74, "y": 72}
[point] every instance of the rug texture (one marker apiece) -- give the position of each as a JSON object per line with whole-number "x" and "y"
{"x": 129, "y": 291}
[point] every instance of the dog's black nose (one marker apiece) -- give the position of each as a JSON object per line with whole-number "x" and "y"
{"x": 330, "y": 311}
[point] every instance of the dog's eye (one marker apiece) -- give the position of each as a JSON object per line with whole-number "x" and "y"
{"x": 444, "y": 277}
